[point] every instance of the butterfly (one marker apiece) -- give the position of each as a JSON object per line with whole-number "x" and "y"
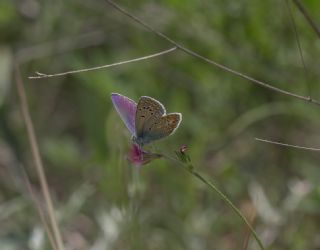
{"x": 147, "y": 121}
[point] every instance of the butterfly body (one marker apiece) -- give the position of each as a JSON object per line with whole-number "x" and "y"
{"x": 147, "y": 121}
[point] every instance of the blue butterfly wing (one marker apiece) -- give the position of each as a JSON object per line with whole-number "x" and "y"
{"x": 126, "y": 108}
{"x": 151, "y": 121}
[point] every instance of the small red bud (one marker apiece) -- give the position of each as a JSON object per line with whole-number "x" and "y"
{"x": 183, "y": 149}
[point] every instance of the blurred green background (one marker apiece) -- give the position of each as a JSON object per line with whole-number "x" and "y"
{"x": 102, "y": 201}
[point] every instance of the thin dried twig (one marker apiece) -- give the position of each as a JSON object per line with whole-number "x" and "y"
{"x": 37, "y": 158}
{"x": 23, "y": 184}
{"x": 296, "y": 34}
{"x": 41, "y": 213}
{"x": 248, "y": 232}
{"x": 287, "y": 145}
{"x": 42, "y": 75}
{"x": 307, "y": 16}
{"x": 207, "y": 60}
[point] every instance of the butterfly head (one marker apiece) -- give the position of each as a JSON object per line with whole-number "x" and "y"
{"x": 138, "y": 140}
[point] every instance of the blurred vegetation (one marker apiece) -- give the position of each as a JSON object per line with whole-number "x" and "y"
{"x": 103, "y": 202}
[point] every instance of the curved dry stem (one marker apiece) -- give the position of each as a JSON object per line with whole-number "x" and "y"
{"x": 207, "y": 60}
{"x": 41, "y": 214}
{"x": 42, "y": 75}
{"x": 307, "y": 16}
{"x": 37, "y": 158}
{"x": 296, "y": 34}
{"x": 287, "y": 145}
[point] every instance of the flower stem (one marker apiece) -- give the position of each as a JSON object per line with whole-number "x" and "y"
{"x": 190, "y": 168}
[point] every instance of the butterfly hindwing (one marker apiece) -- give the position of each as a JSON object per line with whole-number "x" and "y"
{"x": 162, "y": 127}
{"x": 126, "y": 108}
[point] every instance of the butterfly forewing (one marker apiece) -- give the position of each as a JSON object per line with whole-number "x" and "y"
{"x": 126, "y": 108}
{"x": 148, "y": 111}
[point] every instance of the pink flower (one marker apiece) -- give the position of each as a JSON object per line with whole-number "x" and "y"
{"x": 140, "y": 157}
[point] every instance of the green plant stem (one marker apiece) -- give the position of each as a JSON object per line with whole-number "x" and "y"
{"x": 230, "y": 204}
{"x": 190, "y": 169}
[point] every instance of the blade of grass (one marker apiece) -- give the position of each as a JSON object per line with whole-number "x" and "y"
{"x": 41, "y": 213}
{"x": 248, "y": 232}
{"x": 36, "y": 157}
{"x": 296, "y": 34}
{"x": 307, "y": 16}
